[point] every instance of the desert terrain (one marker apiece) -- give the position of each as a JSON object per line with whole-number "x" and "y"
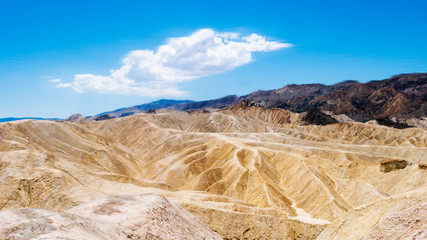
{"x": 242, "y": 172}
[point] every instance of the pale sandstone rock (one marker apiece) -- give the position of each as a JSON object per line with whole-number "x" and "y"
{"x": 77, "y": 117}
{"x": 147, "y": 216}
{"x": 229, "y": 167}
{"x": 418, "y": 122}
{"x": 357, "y": 223}
{"x": 410, "y": 223}
{"x": 339, "y": 117}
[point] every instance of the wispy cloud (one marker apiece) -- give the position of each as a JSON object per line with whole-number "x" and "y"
{"x": 157, "y": 73}
{"x": 55, "y": 80}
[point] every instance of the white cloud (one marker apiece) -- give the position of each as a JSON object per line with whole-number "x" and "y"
{"x": 157, "y": 73}
{"x": 64, "y": 85}
{"x": 56, "y": 80}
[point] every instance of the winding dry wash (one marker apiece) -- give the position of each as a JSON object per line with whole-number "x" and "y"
{"x": 245, "y": 172}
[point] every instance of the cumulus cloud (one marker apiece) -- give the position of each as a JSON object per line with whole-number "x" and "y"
{"x": 55, "y": 80}
{"x": 157, "y": 73}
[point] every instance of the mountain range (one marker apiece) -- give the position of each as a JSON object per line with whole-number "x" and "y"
{"x": 391, "y": 102}
{"x": 399, "y": 101}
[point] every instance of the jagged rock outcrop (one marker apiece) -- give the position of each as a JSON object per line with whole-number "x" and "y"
{"x": 413, "y": 85}
{"x": 363, "y": 102}
{"x": 317, "y": 117}
{"x": 293, "y": 97}
{"x": 392, "y": 100}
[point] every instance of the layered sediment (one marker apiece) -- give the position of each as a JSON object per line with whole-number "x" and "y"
{"x": 246, "y": 172}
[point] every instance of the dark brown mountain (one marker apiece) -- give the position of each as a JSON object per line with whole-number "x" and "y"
{"x": 295, "y": 98}
{"x": 399, "y": 97}
{"x": 390, "y": 101}
{"x": 412, "y": 85}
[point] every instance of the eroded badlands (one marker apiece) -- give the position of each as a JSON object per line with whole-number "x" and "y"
{"x": 245, "y": 172}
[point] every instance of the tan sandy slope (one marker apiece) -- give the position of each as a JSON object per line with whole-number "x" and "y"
{"x": 147, "y": 216}
{"x": 247, "y": 172}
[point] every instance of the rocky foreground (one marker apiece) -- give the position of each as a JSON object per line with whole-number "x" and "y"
{"x": 146, "y": 216}
{"x": 242, "y": 172}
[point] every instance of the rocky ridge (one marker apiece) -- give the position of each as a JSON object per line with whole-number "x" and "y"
{"x": 400, "y": 102}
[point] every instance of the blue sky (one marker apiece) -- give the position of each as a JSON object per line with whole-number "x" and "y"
{"x": 331, "y": 41}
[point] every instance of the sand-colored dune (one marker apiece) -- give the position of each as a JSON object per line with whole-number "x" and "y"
{"x": 247, "y": 172}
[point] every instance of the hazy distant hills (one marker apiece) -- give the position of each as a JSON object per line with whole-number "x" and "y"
{"x": 215, "y": 103}
{"x": 123, "y": 112}
{"x": 179, "y": 105}
{"x": 392, "y": 100}
{"x": 10, "y": 119}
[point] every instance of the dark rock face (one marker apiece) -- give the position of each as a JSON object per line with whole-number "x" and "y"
{"x": 103, "y": 117}
{"x": 363, "y": 102}
{"x": 388, "y": 165}
{"x": 315, "y": 116}
{"x": 151, "y": 111}
{"x": 390, "y": 101}
{"x": 295, "y": 98}
{"x": 387, "y": 122}
{"x": 412, "y": 85}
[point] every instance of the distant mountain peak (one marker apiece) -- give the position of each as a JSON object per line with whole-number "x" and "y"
{"x": 399, "y": 98}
